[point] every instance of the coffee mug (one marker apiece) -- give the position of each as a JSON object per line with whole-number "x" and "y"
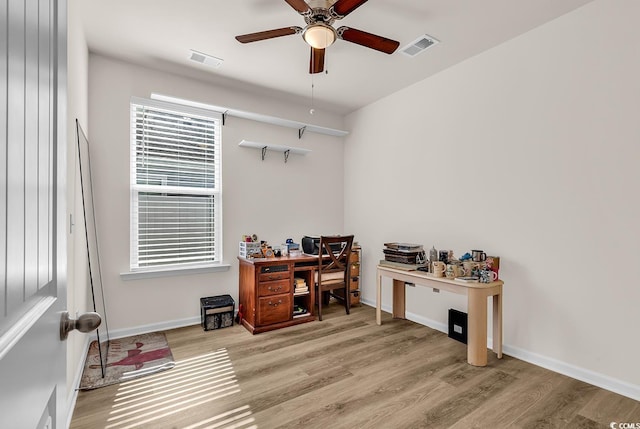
{"x": 488, "y": 276}
{"x": 478, "y": 255}
{"x": 450, "y": 271}
{"x": 468, "y": 267}
{"x": 438, "y": 269}
{"x": 438, "y": 266}
{"x": 458, "y": 268}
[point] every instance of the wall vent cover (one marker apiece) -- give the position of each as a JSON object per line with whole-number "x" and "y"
{"x": 419, "y": 45}
{"x": 207, "y": 60}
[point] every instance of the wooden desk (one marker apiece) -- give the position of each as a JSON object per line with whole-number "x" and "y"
{"x": 266, "y": 291}
{"x": 477, "y": 294}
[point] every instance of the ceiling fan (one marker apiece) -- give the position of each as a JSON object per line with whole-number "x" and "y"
{"x": 319, "y": 33}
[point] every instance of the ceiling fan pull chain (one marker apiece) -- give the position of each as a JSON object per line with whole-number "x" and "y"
{"x": 312, "y": 110}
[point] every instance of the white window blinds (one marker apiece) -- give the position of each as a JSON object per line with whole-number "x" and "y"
{"x": 176, "y": 194}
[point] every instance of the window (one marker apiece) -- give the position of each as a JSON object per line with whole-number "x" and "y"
{"x": 176, "y": 194}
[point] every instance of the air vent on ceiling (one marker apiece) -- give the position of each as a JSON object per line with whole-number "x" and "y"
{"x": 419, "y": 45}
{"x": 207, "y": 60}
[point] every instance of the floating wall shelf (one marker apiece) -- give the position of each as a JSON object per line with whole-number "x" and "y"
{"x": 225, "y": 111}
{"x": 278, "y": 148}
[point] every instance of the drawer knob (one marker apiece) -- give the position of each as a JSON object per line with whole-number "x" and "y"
{"x": 275, "y": 304}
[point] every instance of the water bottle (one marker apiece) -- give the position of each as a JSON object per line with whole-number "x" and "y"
{"x": 433, "y": 254}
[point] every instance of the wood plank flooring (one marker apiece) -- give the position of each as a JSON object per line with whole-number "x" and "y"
{"x": 344, "y": 372}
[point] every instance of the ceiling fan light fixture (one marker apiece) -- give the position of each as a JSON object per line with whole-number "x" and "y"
{"x": 319, "y": 35}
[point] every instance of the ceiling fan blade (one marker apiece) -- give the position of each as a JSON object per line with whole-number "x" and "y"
{"x": 269, "y": 34}
{"x": 369, "y": 40}
{"x": 300, "y": 5}
{"x": 316, "y": 64}
{"x": 343, "y": 8}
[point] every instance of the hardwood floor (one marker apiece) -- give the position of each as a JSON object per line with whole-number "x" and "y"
{"x": 345, "y": 372}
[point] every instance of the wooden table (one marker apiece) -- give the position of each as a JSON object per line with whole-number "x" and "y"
{"x": 477, "y": 294}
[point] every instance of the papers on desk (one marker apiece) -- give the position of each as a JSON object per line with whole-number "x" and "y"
{"x": 467, "y": 279}
{"x": 405, "y": 253}
{"x": 400, "y": 265}
{"x": 404, "y": 247}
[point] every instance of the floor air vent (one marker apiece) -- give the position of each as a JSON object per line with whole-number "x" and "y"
{"x": 419, "y": 45}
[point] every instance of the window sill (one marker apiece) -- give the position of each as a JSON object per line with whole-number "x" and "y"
{"x": 183, "y": 271}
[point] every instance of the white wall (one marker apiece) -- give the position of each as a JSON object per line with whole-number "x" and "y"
{"x": 529, "y": 151}
{"x": 78, "y": 291}
{"x": 269, "y": 198}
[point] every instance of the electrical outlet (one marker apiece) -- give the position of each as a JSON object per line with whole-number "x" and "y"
{"x": 435, "y": 290}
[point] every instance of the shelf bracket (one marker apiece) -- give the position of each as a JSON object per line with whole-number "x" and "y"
{"x": 264, "y": 152}
{"x": 224, "y": 117}
{"x": 301, "y": 131}
{"x": 286, "y": 155}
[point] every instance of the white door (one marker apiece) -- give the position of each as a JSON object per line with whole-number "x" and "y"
{"x": 32, "y": 213}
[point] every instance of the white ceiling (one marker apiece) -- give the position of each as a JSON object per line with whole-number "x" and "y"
{"x": 160, "y": 33}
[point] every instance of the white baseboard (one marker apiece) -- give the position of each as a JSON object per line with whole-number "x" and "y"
{"x": 600, "y": 380}
{"x": 442, "y": 327}
{"x": 155, "y": 327}
{"x": 604, "y": 381}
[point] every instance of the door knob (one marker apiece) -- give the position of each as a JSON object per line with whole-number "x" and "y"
{"x": 85, "y": 323}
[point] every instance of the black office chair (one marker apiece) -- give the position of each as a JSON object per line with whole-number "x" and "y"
{"x": 333, "y": 270}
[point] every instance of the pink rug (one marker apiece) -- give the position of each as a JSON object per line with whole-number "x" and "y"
{"x": 127, "y": 358}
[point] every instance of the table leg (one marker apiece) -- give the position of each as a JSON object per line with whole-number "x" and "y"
{"x": 497, "y": 323}
{"x": 477, "y": 327}
{"x": 398, "y": 299}
{"x": 378, "y": 298}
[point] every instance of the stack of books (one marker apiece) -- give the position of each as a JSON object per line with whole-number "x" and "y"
{"x": 299, "y": 311}
{"x": 404, "y": 255}
{"x": 300, "y": 286}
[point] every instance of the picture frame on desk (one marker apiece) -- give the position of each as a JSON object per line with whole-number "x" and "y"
{"x": 268, "y": 253}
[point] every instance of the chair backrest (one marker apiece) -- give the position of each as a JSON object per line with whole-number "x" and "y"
{"x": 334, "y": 252}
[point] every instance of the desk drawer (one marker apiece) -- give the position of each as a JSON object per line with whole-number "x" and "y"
{"x": 268, "y": 277}
{"x": 274, "y": 309}
{"x": 274, "y": 288}
{"x": 270, "y": 273}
